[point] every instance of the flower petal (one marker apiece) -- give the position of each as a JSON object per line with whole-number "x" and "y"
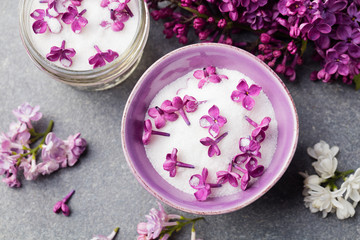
{"x": 248, "y": 103}
{"x": 199, "y": 74}
{"x": 238, "y": 96}
{"x": 214, "y": 111}
{"x": 254, "y": 90}
{"x": 206, "y": 121}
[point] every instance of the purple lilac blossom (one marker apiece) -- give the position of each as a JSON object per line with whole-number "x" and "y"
{"x": 73, "y": 17}
{"x": 199, "y": 183}
{"x": 148, "y": 132}
{"x": 54, "y": 149}
{"x": 25, "y": 113}
{"x": 213, "y": 147}
{"x": 244, "y": 94}
{"x": 75, "y": 146}
{"x": 62, "y": 54}
{"x": 213, "y": 121}
{"x": 207, "y": 75}
{"x": 160, "y": 116}
{"x": 44, "y": 21}
{"x": 100, "y": 58}
{"x": 228, "y": 176}
{"x": 171, "y": 163}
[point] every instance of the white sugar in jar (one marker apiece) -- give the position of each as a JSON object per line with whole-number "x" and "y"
{"x": 97, "y": 35}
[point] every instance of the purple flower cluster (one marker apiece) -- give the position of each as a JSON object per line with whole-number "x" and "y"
{"x": 160, "y": 225}
{"x": 17, "y": 155}
{"x": 119, "y": 13}
{"x": 65, "y": 10}
{"x": 284, "y": 27}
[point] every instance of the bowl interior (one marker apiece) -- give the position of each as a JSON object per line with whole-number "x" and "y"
{"x": 178, "y": 63}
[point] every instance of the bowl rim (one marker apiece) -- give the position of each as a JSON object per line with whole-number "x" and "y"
{"x": 249, "y": 200}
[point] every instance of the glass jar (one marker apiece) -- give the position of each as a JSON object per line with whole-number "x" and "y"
{"x": 94, "y": 79}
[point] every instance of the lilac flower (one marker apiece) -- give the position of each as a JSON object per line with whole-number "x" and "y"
{"x": 292, "y": 7}
{"x": 114, "y": 5}
{"x": 98, "y": 60}
{"x": 230, "y": 6}
{"x": 44, "y": 21}
{"x": 75, "y": 146}
{"x": 55, "y": 7}
{"x": 208, "y": 75}
{"x": 190, "y": 103}
{"x": 148, "y": 132}
{"x": 157, "y": 220}
{"x": 199, "y": 23}
{"x": 315, "y": 28}
{"x": 162, "y": 116}
{"x": 258, "y": 134}
{"x": 171, "y": 163}
{"x": 17, "y": 129}
{"x": 329, "y": 8}
{"x": 213, "y": 121}
{"x": 203, "y": 188}
{"x": 249, "y": 148}
{"x": 73, "y": 17}
{"x": 253, "y": 168}
{"x": 11, "y": 177}
{"x": 48, "y": 167}
{"x": 177, "y": 105}
{"x": 245, "y": 179}
{"x": 118, "y": 19}
{"x": 336, "y": 62}
{"x": 31, "y": 170}
{"x": 110, "y": 237}
{"x": 244, "y": 94}
{"x": 54, "y": 149}
{"x": 257, "y": 18}
{"x": 62, "y": 206}
{"x": 213, "y": 147}
{"x": 61, "y": 53}
{"x": 353, "y": 15}
{"x": 6, "y": 163}
{"x": 350, "y": 41}
{"x": 228, "y": 176}
{"x": 25, "y": 113}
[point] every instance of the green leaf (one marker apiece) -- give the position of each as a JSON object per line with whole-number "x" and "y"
{"x": 303, "y": 46}
{"x": 357, "y": 82}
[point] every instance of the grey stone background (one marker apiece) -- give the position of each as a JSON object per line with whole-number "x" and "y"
{"x": 107, "y": 194}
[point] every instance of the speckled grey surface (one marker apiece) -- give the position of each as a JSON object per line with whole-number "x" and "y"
{"x": 107, "y": 195}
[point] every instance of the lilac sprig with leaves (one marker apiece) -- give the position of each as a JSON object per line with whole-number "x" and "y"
{"x": 161, "y": 225}
{"x": 62, "y": 54}
{"x": 100, "y": 58}
{"x": 17, "y": 152}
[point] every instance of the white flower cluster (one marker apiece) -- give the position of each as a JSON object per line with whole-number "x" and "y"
{"x": 323, "y": 199}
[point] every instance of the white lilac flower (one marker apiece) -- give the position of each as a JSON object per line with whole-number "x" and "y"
{"x": 346, "y": 211}
{"x": 326, "y": 165}
{"x": 322, "y": 199}
{"x": 352, "y": 186}
{"x": 322, "y": 149}
{"x": 310, "y": 179}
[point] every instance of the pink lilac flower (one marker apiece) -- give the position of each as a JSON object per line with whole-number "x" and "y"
{"x": 258, "y": 134}
{"x": 11, "y": 177}
{"x": 252, "y": 170}
{"x": 249, "y": 148}
{"x": 160, "y": 116}
{"x": 25, "y": 113}
{"x": 228, "y": 176}
{"x": 118, "y": 19}
{"x": 109, "y": 237}
{"x": 16, "y": 128}
{"x": 157, "y": 220}
{"x": 171, "y": 163}
{"x": 73, "y": 17}
{"x": 48, "y": 167}
{"x": 116, "y": 5}
{"x": 203, "y": 188}
{"x": 75, "y": 146}
{"x": 244, "y": 94}
{"x": 213, "y": 147}
{"x": 44, "y": 21}
{"x": 30, "y": 168}
{"x": 62, "y": 206}
{"x": 190, "y": 103}
{"x": 100, "y": 58}
{"x": 336, "y": 62}
{"x": 62, "y": 54}
{"x": 176, "y": 105}
{"x": 208, "y": 75}
{"x": 148, "y": 132}
{"x": 213, "y": 121}
{"x": 54, "y": 149}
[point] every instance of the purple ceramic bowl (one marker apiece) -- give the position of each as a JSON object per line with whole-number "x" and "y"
{"x": 176, "y": 64}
